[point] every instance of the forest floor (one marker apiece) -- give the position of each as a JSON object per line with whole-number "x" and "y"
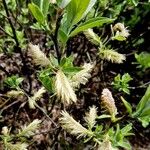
{"x": 15, "y": 112}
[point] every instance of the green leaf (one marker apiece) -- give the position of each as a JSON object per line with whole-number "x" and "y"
{"x": 63, "y": 36}
{"x": 126, "y": 90}
{"x": 67, "y": 66}
{"x": 47, "y": 82}
{"x": 46, "y": 79}
{"x": 75, "y": 11}
{"x": 91, "y": 4}
{"x": 103, "y": 116}
{"x": 63, "y": 61}
{"x": 64, "y": 3}
{"x": 99, "y": 21}
{"x": 126, "y": 129}
{"x": 98, "y": 129}
{"x": 14, "y": 81}
{"x": 121, "y": 83}
{"x": 44, "y": 6}
{"x": 142, "y": 112}
{"x": 118, "y": 133}
{"x": 36, "y": 2}
{"x": 125, "y": 145}
{"x": 146, "y": 111}
{"x": 126, "y": 78}
{"x": 127, "y": 105}
{"x": 134, "y": 2}
{"x": 37, "y": 26}
{"x": 118, "y": 136}
{"x": 71, "y": 70}
{"x": 119, "y": 38}
{"x": 67, "y": 62}
{"x": 37, "y": 13}
{"x": 144, "y": 120}
{"x": 54, "y": 61}
{"x": 143, "y": 59}
{"x": 143, "y": 103}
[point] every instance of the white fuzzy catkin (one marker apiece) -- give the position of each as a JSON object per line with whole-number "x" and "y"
{"x": 91, "y": 117}
{"x": 39, "y": 93}
{"x": 121, "y": 30}
{"x": 82, "y": 76}
{"x": 32, "y": 100}
{"x": 29, "y": 130}
{"x": 16, "y": 146}
{"x": 64, "y": 89}
{"x": 72, "y": 126}
{"x": 106, "y": 145}
{"x": 108, "y": 101}
{"x": 14, "y": 94}
{"x": 53, "y": 1}
{"x": 5, "y": 130}
{"x": 92, "y": 37}
{"x": 39, "y": 58}
{"x": 111, "y": 55}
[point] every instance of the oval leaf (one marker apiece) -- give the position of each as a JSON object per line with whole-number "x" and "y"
{"x": 45, "y": 6}
{"x": 143, "y": 103}
{"x": 75, "y": 11}
{"x": 99, "y": 21}
{"x": 127, "y": 105}
{"x": 38, "y": 15}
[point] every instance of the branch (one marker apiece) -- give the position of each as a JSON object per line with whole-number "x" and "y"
{"x": 25, "y": 67}
{"x": 55, "y": 38}
{"x": 11, "y": 24}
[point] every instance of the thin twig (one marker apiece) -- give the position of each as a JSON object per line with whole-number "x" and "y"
{"x": 45, "y": 114}
{"x": 141, "y": 86}
{"x": 10, "y": 105}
